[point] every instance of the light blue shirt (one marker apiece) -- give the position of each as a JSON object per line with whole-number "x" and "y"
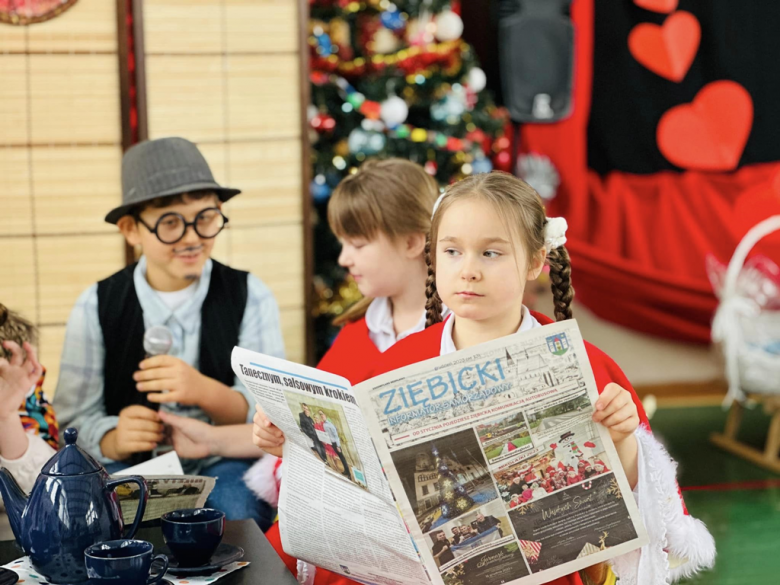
{"x": 333, "y": 433}
{"x": 78, "y": 400}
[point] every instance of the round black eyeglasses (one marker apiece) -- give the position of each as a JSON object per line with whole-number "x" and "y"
{"x": 172, "y": 227}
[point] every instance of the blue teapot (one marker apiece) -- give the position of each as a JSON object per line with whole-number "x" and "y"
{"x": 71, "y": 507}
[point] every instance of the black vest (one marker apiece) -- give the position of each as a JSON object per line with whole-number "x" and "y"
{"x": 122, "y": 323}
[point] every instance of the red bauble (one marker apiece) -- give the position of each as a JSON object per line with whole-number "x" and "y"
{"x": 431, "y": 167}
{"x": 454, "y": 144}
{"x": 503, "y": 161}
{"x": 371, "y": 109}
{"x": 323, "y": 123}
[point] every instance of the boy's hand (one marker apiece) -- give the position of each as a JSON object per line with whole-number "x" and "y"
{"x": 17, "y": 376}
{"x": 139, "y": 430}
{"x": 616, "y": 411}
{"x": 165, "y": 372}
{"x": 266, "y": 434}
{"x": 192, "y": 439}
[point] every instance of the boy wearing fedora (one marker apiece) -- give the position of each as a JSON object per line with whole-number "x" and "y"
{"x": 108, "y": 387}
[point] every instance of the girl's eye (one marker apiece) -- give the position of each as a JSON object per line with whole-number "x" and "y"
{"x": 450, "y": 252}
{"x": 492, "y": 254}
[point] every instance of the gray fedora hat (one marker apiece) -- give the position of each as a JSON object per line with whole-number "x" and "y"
{"x": 162, "y": 167}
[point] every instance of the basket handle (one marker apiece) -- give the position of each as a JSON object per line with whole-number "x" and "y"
{"x": 754, "y": 235}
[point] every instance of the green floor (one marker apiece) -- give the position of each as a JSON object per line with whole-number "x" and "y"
{"x": 744, "y": 522}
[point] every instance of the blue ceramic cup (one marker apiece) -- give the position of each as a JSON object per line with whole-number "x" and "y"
{"x": 125, "y": 562}
{"x": 193, "y": 535}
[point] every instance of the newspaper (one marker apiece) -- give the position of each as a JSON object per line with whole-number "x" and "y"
{"x": 169, "y": 488}
{"x": 336, "y": 509}
{"x": 491, "y": 456}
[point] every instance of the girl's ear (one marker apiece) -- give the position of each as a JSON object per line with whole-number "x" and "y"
{"x": 415, "y": 245}
{"x": 129, "y": 228}
{"x": 536, "y": 264}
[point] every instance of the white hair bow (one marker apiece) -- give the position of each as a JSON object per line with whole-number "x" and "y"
{"x": 555, "y": 233}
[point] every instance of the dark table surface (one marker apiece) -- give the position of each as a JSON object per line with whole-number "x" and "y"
{"x": 266, "y": 567}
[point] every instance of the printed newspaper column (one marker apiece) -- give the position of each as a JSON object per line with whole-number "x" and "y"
{"x": 335, "y": 507}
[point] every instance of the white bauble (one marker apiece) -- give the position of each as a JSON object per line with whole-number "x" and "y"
{"x": 394, "y": 111}
{"x": 384, "y": 41}
{"x": 477, "y": 80}
{"x": 449, "y": 26}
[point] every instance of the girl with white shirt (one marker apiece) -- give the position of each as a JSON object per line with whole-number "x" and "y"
{"x": 489, "y": 237}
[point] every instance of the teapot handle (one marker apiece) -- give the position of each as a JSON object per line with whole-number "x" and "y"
{"x": 111, "y": 484}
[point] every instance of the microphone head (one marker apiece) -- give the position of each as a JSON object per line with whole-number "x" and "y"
{"x": 158, "y": 340}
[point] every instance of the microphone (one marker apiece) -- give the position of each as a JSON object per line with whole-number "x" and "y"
{"x": 158, "y": 340}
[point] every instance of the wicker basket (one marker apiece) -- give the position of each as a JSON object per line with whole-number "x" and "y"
{"x": 748, "y": 334}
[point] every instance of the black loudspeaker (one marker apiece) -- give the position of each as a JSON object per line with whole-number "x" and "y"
{"x": 536, "y": 58}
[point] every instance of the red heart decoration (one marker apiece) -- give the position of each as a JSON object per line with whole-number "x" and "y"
{"x": 663, "y": 6}
{"x": 667, "y": 50}
{"x": 710, "y": 133}
{"x": 553, "y": 445}
{"x": 589, "y": 445}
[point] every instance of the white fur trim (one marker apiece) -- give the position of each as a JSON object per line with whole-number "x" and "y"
{"x": 263, "y": 479}
{"x": 306, "y": 573}
{"x": 680, "y": 545}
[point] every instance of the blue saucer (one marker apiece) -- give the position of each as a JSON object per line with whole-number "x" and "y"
{"x": 224, "y": 555}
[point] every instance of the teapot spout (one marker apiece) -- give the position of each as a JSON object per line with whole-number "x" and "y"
{"x": 15, "y": 501}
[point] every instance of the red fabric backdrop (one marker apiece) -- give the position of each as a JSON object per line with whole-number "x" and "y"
{"x": 638, "y": 242}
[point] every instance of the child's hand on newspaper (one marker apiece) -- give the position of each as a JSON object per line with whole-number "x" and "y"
{"x": 192, "y": 439}
{"x": 266, "y": 434}
{"x": 617, "y": 412}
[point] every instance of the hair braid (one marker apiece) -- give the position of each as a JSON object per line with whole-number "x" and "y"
{"x": 560, "y": 277}
{"x": 433, "y": 302}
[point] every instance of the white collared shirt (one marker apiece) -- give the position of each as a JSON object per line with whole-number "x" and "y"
{"x": 448, "y": 345}
{"x": 379, "y": 320}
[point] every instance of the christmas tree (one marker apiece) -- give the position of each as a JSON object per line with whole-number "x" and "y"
{"x": 454, "y": 500}
{"x": 391, "y": 79}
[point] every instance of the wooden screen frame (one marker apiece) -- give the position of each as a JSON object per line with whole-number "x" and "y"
{"x": 128, "y": 79}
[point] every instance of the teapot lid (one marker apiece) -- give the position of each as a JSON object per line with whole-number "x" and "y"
{"x": 71, "y": 459}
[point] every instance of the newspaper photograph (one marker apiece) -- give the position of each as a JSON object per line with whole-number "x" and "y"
{"x": 336, "y": 509}
{"x": 166, "y": 494}
{"x": 499, "y": 472}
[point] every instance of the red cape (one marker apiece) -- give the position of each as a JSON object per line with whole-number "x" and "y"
{"x": 352, "y": 354}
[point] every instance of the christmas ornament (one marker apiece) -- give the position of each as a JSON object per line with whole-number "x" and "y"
{"x": 503, "y": 161}
{"x": 451, "y": 108}
{"x": 419, "y": 31}
{"x": 319, "y": 188}
{"x": 539, "y": 171}
{"x": 384, "y": 41}
{"x": 476, "y": 79}
{"x": 368, "y": 143}
{"x": 323, "y": 122}
{"x": 392, "y": 19}
{"x": 449, "y": 26}
{"x": 370, "y": 109}
{"x": 419, "y": 135}
{"x": 481, "y": 165}
{"x": 394, "y": 111}
{"x": 431, "y": 167}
